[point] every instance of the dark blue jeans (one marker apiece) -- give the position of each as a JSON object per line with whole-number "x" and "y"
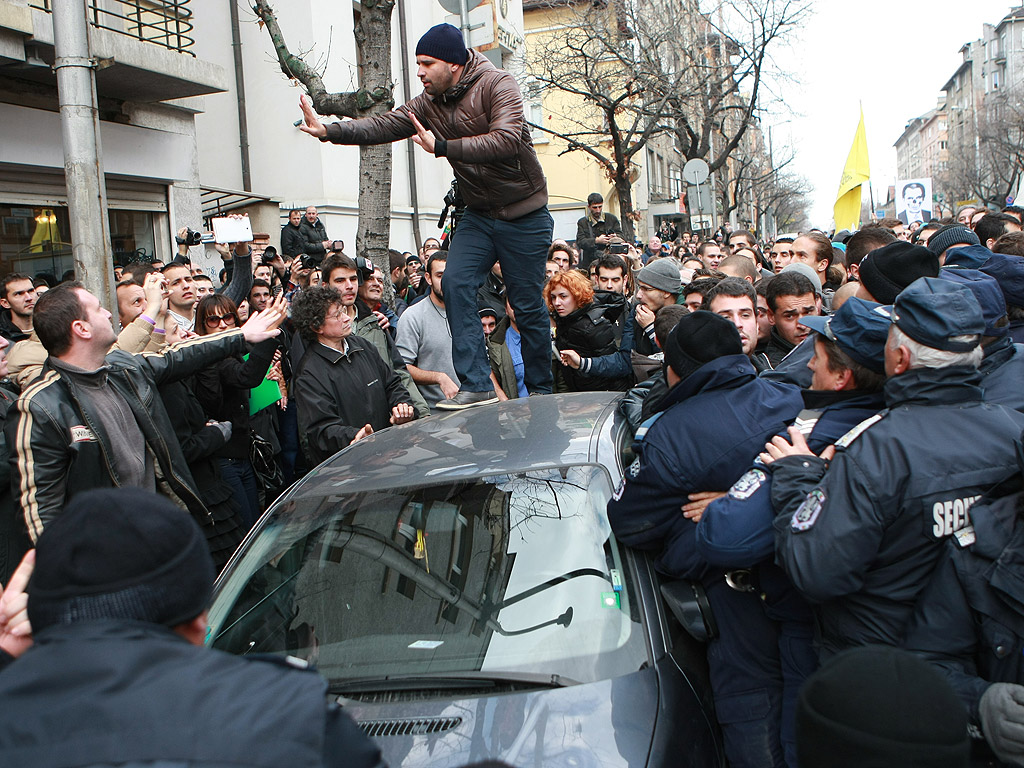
{"x": 520, "y": 246}
{"x": 239, "y": 474}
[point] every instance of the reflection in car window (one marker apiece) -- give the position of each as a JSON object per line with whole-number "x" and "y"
{"x": 492, "y": 575}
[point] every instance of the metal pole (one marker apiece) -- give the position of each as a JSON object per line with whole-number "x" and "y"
{"x": 243, "y": 119}
{"x": 83, "y": 158}
{"x": 464, "y": 21}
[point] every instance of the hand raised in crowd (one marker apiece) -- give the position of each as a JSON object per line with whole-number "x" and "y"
{"x": 382, "y": 320}
{"x": 275, "y": 374}
{"x": 402, "y": 413}
{"x": 15, "y": 630}
{"x": 423, "y": 137}
{"x": 310, "y": 122}
{"x": 779, "y": 447}
{"x": 570, "y": 357}
{"x": 644, "y": 316}
{"x": 264, "y": 325}
{"x": 698, "y": 502}
{"x": 415, "y": 278}
{"x": 156, "y": 292}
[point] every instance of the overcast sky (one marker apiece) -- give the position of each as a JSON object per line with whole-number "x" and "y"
{"x": 850, "y": 52}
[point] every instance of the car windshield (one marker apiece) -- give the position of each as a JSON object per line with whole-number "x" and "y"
{"x": 511, "y": 575}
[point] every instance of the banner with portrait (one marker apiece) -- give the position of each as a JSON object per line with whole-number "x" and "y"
{"x": 914, "y": 200}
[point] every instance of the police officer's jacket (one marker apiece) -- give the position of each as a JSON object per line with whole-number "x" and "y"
{"x": 970, "y": 620}
{"x": 736, "y": 531}
{"x": 1002, "y": 373}
{"x": 864, "y": 541}
{"x": 126, "y": 693}
{"x": 712, "y": 425}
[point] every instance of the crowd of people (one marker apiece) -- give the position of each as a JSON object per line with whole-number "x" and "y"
{"x": 827, "y": 448}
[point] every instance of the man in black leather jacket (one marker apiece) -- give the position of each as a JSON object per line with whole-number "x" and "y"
{"x": 95, "y": 420}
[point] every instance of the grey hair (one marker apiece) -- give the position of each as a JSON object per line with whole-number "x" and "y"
{"x": 922, "y": 356}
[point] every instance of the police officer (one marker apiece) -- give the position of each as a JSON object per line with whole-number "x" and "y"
{"x": 865, "y": 539}
{"x": 118, "y": 674}
{"x": 715, "y": 417}
{"x": 1002, "y": 368}
{"x": 735, "y": 531}
{"x": 969, "y": 624}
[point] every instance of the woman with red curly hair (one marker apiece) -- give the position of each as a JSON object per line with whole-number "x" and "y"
{"x": 584, "y": 335}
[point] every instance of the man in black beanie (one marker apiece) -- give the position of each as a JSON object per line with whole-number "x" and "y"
{"x": 118, "y": 674}
{"x": 886, "y": 271}
{"x": 878, "y": 706}
{"x": 715, "y": 418}
{"x": 471, "y": 112}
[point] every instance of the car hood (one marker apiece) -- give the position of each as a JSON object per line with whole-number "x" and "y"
{"x": 595, "y": 725}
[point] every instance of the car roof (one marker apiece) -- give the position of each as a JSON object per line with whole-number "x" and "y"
{"x": 512, "y": 436}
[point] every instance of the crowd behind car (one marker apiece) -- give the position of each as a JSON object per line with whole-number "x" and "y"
{"x": 828, "y": 427}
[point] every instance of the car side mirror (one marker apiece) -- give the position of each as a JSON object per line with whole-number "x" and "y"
{"x": 688, "y": 602}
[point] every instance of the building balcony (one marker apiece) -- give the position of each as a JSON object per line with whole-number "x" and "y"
{"x": 142, "y": 50}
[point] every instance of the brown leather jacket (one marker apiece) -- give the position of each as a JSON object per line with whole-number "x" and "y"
{"x": 488, "y": 141}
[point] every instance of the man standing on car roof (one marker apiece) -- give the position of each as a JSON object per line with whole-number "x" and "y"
{"x": 472, "y": 113}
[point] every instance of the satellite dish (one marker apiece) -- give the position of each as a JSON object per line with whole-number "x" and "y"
{"x": 696, "y": 171}
{"x": 455, "y": 6}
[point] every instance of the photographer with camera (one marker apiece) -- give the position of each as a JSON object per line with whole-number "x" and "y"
{"x": 594, "y": 232}
{"x": 471, "y": 112}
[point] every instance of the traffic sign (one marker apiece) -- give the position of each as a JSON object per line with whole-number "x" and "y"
{"x": 698, "y": 198}
{"x": 696, "y": 171}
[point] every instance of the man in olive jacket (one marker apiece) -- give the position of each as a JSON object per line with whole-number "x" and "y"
{"x": 472, "y": 113}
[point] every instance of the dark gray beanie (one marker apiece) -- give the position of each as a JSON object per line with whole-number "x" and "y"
{"x": 120, "y": 553}
{"x": 662, "y": 274}
{"x": 950, "y": 235}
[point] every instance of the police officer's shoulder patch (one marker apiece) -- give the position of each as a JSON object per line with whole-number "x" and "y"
{"x": 808, "y": 512}
{"x": 634, "y": 468}
{"x": 747, "y": 485}
{"x": 857, "y": 431}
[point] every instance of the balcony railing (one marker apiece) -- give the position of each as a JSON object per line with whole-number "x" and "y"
{"x": 167, "y": 23}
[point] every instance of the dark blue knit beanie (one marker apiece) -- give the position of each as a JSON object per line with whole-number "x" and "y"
{"x": 443, "y": 42}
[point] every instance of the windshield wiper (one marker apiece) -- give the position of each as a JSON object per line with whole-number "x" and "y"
{"x": 443, "y": 680}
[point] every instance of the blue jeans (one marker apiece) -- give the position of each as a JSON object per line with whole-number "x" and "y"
{"x": 520, "y": 246}
{"x": 239, "y": 474}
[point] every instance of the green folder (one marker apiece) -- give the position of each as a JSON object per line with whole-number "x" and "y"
{"x": 267, "y": 393}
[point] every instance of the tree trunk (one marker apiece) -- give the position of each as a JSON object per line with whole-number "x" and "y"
{"x": 373, "y": 37}
{"x": 625, "y": 192}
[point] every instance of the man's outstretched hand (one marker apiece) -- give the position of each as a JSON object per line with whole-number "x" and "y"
{"x": 310, "y": 121}
{"x": 423, "y": 137}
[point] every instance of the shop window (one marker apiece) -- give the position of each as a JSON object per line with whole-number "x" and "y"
{"x": 37, "y": 240}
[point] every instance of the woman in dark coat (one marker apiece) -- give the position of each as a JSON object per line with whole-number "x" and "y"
{"x": 223, "y": 391}
{"x": 584, "y": 334}
{"x": 200, "y": 439}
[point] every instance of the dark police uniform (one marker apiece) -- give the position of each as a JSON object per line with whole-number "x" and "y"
{"x": 736, "y": 532}
{"x": 1002, "y": 372}
{"x": 970, "y": 621}
{"x": 713, "y": 424}
{"x": 128, "y": 693}
{"x": 865, "y": 539}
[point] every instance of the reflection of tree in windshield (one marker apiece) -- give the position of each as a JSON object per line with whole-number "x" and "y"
{"x": 537, "y": 500}
{"x": 355, "y": 589}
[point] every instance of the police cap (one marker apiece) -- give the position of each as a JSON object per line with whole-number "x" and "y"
{"x": 860, "y": 328}
{"x": 934, "y": 312}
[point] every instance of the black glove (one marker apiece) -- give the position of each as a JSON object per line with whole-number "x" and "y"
{"x": 1002, "y": 721}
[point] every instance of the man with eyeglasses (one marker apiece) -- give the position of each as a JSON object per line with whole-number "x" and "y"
{"x": 913, "y": 200}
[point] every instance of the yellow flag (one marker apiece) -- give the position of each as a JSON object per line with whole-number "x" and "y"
{"x": 856, "y": 172}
